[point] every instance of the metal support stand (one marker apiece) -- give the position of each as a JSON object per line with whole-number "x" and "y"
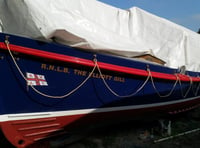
{"x": 165, "y": 127}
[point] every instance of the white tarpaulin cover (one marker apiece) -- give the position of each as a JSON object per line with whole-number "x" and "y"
{"x": 92, "y": 24}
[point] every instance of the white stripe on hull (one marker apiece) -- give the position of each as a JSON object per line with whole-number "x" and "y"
{"x": 26, "y": 116}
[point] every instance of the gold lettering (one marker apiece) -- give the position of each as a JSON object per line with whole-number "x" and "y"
{"x": 84, "y": 73}
{"x": 119, "y": 79}
{"x": 44, "y": 66}
{"x": 51, "y": 67}
{"x": 66, "y": 70}
{"x": 96, "y": 75}
{"x": 55, "y": 68}
{"x": 108, "y": 77}
{"x": 80, "y": 72}
{"x": 58, "y": 69}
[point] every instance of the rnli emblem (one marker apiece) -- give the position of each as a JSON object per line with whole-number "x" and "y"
{"x": 36, "y": 79}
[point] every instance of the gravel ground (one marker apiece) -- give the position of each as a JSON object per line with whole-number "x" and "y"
{"x": 129, "y": 137}
{"x": 144, "y": 134}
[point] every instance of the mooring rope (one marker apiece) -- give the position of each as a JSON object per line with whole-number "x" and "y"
{"x": 195, "y": 92}
{"x": 41, "y": 93}
{"x": 156, "y": 90}
{"x": 188, "y": 90}
{"x": 122, "y": 96}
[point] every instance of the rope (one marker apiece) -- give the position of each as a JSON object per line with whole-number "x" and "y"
{"x": 195, "y": 92}
{"x": 41, "y": 93}
{"x": 156, "y": 90}
{"x": 117, "y": 95}
{"x": 188, "y": 90}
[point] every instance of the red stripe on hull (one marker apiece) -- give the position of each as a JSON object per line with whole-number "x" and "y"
{"x": 90, "y": 63}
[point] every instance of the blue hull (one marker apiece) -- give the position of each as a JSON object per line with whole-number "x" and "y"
{"x": 79, "y": 83}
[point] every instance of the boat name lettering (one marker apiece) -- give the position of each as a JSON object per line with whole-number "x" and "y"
{"x": 119, "y": 79}
{"x": 106, "y": 77}
{"x": 54, "y": 68}
{"x": 78, "y": 72}
{"x": 98, "y": 76}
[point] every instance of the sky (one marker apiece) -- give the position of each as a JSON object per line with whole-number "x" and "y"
{"x": 183, "y": 12}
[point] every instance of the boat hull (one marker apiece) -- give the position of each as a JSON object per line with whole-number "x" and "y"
{"x": 56, "y": 89}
